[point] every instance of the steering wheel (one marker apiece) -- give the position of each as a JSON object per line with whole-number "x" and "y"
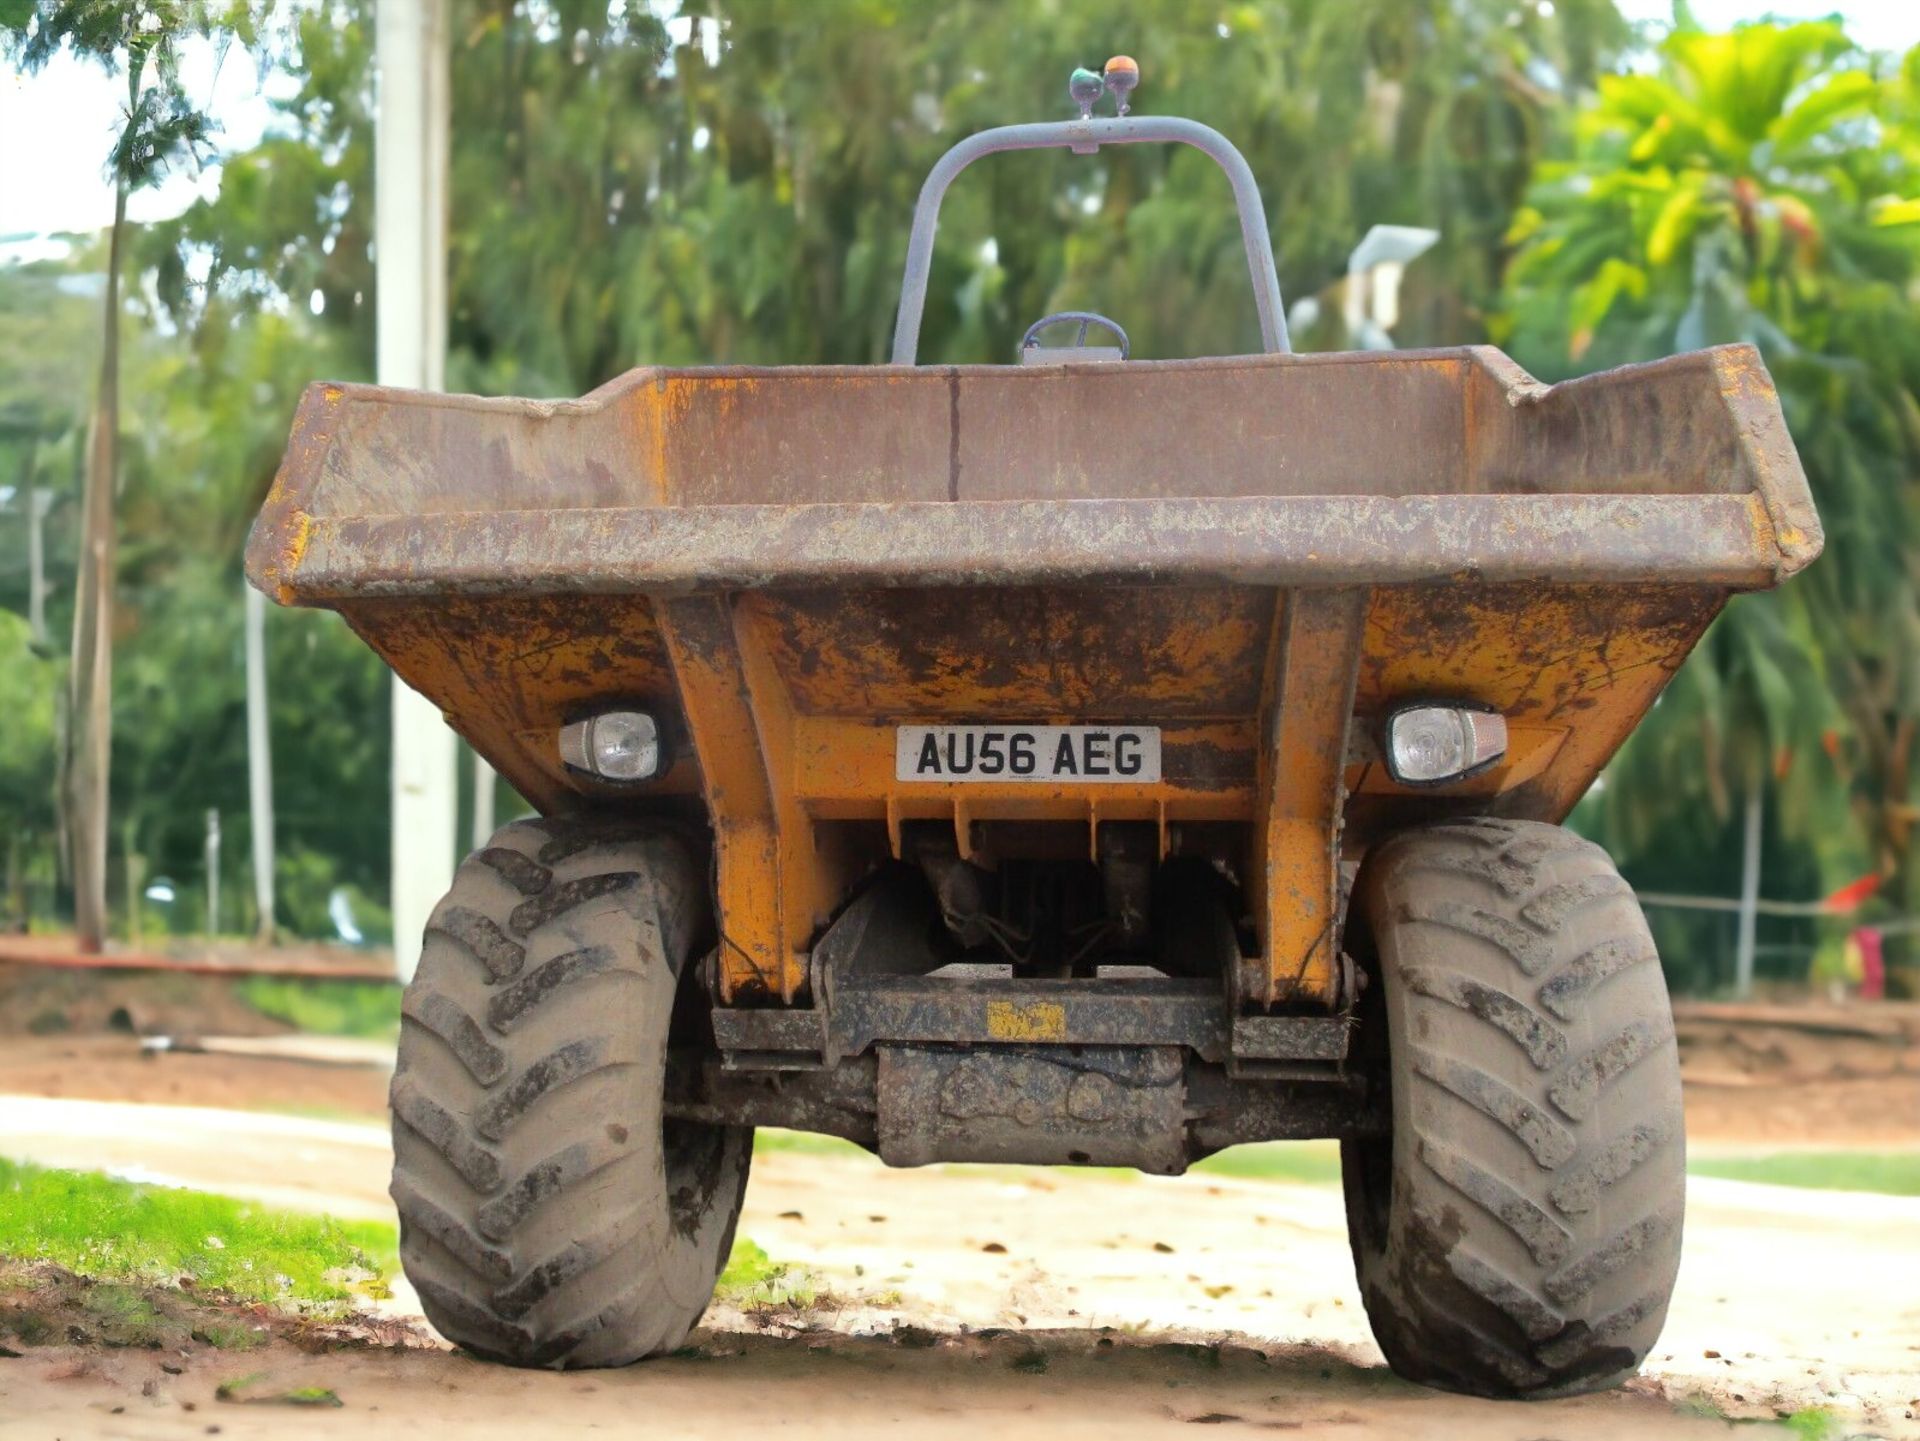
{"x": 1031, "y": 340}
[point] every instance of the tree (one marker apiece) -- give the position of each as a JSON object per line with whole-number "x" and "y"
{"x": 47, "y": 332}
{"x": 733, "y": 183}
{"x": 1764, "y": 186}
{"x": 737, "y": 185}
{"x": 159, "y": 128}
{"x": 202, "y": 450}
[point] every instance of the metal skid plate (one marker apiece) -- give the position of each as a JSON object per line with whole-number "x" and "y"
{"x": 1217, "y": 1109}
{"x": 1087, "y": 1105}
{"x": 863, "y": 1011}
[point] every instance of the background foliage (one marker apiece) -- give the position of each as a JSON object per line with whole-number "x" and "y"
{"x": 733, "y": 184}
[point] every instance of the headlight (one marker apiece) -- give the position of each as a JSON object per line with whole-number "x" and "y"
{"x": 616, "y": 745}
{"x": 1429, "y": 745}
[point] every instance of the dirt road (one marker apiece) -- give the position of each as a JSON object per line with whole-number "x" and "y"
{"x": 963, "y": 1301}
{"x": 1064, "y": 1387}
{"x": 1229, "y": 1302}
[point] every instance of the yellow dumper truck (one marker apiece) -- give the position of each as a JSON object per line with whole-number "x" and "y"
{"x": 1076, "y": 761}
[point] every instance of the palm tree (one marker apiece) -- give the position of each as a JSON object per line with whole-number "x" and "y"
{"x": 1761, "y": 186}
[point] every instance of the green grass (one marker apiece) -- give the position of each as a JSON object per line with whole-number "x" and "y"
{"x": 1315, "y": 1163}
{"x": 368, "y": 1009}
{"x": 1812, "y": 1423}
{"x": 338, "y": 1115}
{"x": 311, "y": 1396}
{"x": 1816, "y": 1423}
{"x": 1891, "y": 1173}
{"x": 1311, "y": 1162}
{"x": 754, "y": 1281}
{"x": 112, "y": 1230}
{"x": 124, "y": 1315}
{"x": 243, "y": 1389}
{"x": 229, "y": 1335}
{"x": 769, "y": 1140}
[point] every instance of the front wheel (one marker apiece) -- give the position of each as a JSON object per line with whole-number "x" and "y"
{"x": 1518, "y": 1233}
{"x": 549, "y": 1214}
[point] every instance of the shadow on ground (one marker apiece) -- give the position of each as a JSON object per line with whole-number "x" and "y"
{"x": 97, "y": 1360}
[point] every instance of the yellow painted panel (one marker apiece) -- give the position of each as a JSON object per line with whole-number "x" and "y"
{"x": 1026, "y": 1021}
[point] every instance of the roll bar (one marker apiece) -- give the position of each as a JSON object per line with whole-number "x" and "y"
{"x": 1084, "y": 137}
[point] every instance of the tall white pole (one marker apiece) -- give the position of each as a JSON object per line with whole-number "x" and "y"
{"x": 259, "y": 760}
{"x": 1749, "y": 896}
{"x": 38, "y": 501}
{"x": 213, "y": 874}
{"x": 410, "y": 290}
{"x": 483, "y": 788}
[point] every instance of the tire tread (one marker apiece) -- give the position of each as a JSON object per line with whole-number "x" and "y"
{"x": 541, "y": 1002}
{"x": 1536, "y": 1099}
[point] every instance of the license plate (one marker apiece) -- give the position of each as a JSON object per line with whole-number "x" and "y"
{"x": 1054, "y": 754}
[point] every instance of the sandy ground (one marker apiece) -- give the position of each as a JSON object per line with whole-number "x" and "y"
{"x": 970, "y": 1301}
{"x": 113, "y": 1068}
{"x": 1787, "y": 1299}
{"x": 1802, "y": 1107}
{"x": 829, "y": 1385}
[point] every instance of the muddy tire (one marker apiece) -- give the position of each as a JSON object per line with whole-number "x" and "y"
{"x": 548, "y": 1215}
{"x": 1518, "y": 1233}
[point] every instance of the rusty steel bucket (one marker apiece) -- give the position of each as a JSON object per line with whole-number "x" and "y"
{"x": 1249, "y": 552}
